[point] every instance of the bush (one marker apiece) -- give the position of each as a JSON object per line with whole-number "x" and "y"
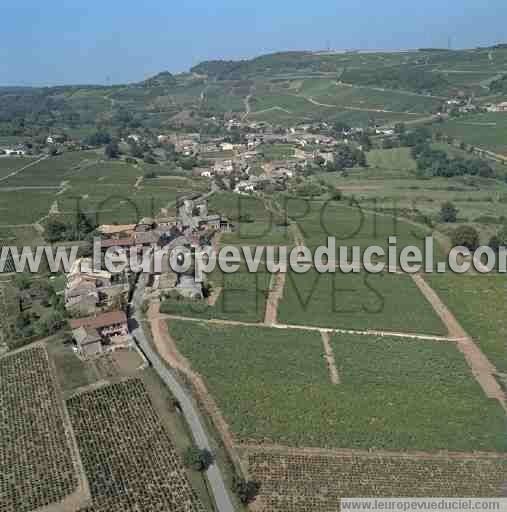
{"x": 466, "y": 236}
{"x": 337, "y": 195}
{"x": 247, "y": 490}
{"x": 198, "y": 460}
{"x": 499, "y": 239}
{"x": 448, "y": 212}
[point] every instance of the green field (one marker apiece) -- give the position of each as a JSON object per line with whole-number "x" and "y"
{"x": 386, "y": 302}
{"x": 398, "y": 159}
{"x": 10, "y": 164}
{"x": 105, "y": 190}
{"x": 273, "y": 385}
{"x": 276, "y": 151}
{"x": 242, "y": 297}
{"x": 352, "y": 224}
{"x": 478, "y": 302}
{"x": 257, "y": 222}
{"x": 487, "y": 131}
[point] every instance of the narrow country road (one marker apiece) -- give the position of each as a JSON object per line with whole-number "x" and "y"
{"x": 215, "y": 478}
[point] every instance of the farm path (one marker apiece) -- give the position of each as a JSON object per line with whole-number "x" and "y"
{"x": 397, "y": 91}
{"x": 18, "y": 171}
{"x": 271, "y": 109}
{"x": 248, "y": 107}
{"x": 482, "y": 369}
{"x": 359, "y": 109}
{"x": 276, "y": 288}
{"x": 215, "y": 294}
{"x": 188, "y": 408}
{"x": 331, "y": 363}
{"x": 422, "y": 337}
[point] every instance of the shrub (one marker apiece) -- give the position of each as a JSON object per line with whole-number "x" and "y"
{"x": 448, "y": 212}
{"x": 247, "y": 490}
{"x": 466, "y": 236}
{"x": 199, "y": 460}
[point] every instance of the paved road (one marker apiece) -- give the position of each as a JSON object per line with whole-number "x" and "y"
{"x": 215, "y": 478}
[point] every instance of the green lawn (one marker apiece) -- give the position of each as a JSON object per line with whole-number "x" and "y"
{"x": 387, "y": 302}
{"x": 273, "y": 385}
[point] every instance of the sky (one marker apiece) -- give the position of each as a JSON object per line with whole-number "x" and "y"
{"x": 111, "y": 41}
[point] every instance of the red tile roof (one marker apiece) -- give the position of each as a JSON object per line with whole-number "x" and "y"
{"x": 103, "y": 320}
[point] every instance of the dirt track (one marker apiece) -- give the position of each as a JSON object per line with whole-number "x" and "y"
{"x": 331, "y": 364}
{"x": 275, "y": 296}
{"x": 481, "y": 367}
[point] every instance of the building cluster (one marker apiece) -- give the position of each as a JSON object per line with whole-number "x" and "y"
{"x": 96, "y": 299}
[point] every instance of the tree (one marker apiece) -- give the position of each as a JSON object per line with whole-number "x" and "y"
{"x": 149, "y": 159}
{"x": 199, "y": 460}
{"x": 399, "y": 128}
{"x": 448, "y": 212}
{"x": 247, "y": 490}
{"x": 347, "y": 157}
{"x": 98, "y": 138}
{"x": 112, "y": 151}
{"x": 466, "y": 236}
{"x": 56, "y": 231}
{"x": 499, "y": 239}
{"x": 365, "y": 142}
{"x": 337, "y": 195}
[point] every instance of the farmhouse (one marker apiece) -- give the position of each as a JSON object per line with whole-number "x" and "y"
{"x": 111, "y": 327}
{"x": 88, "y": 341}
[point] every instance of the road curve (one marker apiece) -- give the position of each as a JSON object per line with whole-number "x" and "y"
{"x": 222, "y": 499}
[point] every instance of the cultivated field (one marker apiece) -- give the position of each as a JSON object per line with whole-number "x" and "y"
{"x": 241, "y": 297}
{"x": 487, "y": 131}
{"x": 478, "y": 302}
{"x": 106, "y": 191}
{"x": 127, "y": 454}
{"x": 37, "y": 459}
{"x": 259, "y": 222}
{"x": 387, "y": 302}
{"x": 298, "y": 481}
{"x": 275, "y": 386}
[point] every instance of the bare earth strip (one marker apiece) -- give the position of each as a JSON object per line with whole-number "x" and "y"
{"x": 275, "y": 296}
{"x": 422, "y": 337}
{"x": 331, "y": 364}
{"x": 483, "y": 370}
{"x": 298, "y": 236}
{"x": 212, "y": 299}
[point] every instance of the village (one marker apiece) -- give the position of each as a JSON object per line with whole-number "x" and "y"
{"x": 97, "y": 300}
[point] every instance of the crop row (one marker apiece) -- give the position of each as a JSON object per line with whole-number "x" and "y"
{"x": 35, "y": 459}
{"x": 300, "y": 483}
{"x": 128, "y": 457}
